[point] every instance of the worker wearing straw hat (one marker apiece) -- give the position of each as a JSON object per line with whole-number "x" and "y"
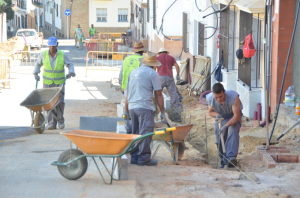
{"x": 130, "y": 63}
{"x": 166, "y": 76}
{"x": 139, "y": 105}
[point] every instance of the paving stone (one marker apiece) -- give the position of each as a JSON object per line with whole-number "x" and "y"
{"x": 99, "y": 123}
{"x": 120, "y": 110}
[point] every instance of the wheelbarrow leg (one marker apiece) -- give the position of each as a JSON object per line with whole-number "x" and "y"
{"x": 173, "y": 154}
{"x": 46, "y": 116}
{"x": 156, "y": 149}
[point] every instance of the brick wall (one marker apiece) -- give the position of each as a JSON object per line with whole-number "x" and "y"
{"x": 174, "y": 47}
{"x": 283, "y": 23}
{"x": 80, "y": 15}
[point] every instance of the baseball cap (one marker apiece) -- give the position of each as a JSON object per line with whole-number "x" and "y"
{"x": 52, "y": 41}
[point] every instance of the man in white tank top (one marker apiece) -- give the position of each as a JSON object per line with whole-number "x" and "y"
{"x": 227, "y": 105}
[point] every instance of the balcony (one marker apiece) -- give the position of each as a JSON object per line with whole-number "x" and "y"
{"x": 22, "y": 4}
{"x": 38, "y": 3}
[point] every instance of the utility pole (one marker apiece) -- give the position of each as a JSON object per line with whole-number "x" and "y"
{"x": 53, "y": 17}
{"x": 38, "y": 19}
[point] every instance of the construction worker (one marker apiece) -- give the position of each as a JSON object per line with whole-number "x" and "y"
{"x": 53, "y": 61}
{"x": 227, "y": 106}
{"x": 76, "y": 34}
{"x": 92, "y": 31}
{"x": 166, "y": 76}
{"x": 139, "y": 105}
{"x": 130, "y": 63}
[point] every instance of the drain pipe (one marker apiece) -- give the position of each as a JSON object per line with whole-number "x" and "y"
{"x": 266, "y": 73}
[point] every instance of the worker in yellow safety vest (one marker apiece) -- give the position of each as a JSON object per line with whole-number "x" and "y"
{"x": 130, "y": 63}
{"x": 54, "y": 61}
{"x": 92, "y": 31}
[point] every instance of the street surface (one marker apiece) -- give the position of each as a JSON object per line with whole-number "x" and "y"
{"x": 25, "y": 156}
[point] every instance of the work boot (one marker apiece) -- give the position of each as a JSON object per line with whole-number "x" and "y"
{"x": 232, "y": 162}
{"x": 61, "y": 125}
{"x": 51, "y": 127}
{"x": 152, "y": 162}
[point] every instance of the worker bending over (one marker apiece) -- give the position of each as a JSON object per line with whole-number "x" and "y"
{"x": 226, "y": 105}
{"x": 54, "y": 61}
{"x": 166, "y": 76}
{"x": 130, "y": 63}
{"x": 139, "y": 102}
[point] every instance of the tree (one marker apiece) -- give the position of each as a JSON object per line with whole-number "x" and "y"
{"x": 5, "y": 6}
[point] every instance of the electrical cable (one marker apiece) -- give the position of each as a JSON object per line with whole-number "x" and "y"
{"x": 286, "y": 64}
{"x": 210, "y": 27}
{"x": 161, "y": 29}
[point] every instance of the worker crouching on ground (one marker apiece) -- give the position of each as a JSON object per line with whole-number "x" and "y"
{"x": 130, "y": 63}
{"x": 166, "y": 76}
{"x": 139, "y": 102}
{"x": 226, "y": 105}
{"x": 53, "y": 61}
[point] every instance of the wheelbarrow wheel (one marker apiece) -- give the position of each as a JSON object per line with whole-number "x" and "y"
{"x": 76, "y": 169}
{"x": 180, "y": 150}
{"x": 39, "y": 122}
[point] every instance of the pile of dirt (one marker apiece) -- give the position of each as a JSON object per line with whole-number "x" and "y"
{"x": 11, "y": 45}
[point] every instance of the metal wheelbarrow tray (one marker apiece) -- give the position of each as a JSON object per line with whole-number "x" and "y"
{"x": 176, "y": 138}
{"x": 39, "y": 98}
{"x": 72, "y": 163}
{"x": 38, "y": 102}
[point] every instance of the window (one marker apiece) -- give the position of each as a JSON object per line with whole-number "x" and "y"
{"x": 122, "y": 15}
{"x": 101, "y": 14}
{"x": 56, "y": 10}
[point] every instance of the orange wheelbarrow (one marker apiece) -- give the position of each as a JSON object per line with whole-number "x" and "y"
{"x": 72, "y": 164}
{"x": 175, "y": 138}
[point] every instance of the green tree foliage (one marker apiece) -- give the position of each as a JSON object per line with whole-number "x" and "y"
{"x": 5, "y": 6}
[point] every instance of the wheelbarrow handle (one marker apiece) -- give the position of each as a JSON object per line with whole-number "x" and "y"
{"x": 164, "y": 131}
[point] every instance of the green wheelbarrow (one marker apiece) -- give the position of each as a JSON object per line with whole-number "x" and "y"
{"x": 72, "y": 163}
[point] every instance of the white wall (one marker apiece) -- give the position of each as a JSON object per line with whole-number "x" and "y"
{"x": 48, "y": 14}
{"x": 58, "y": 18}
{"x": 112, "y": 12}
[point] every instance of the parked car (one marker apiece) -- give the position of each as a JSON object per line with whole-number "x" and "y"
{"x": 41, "y": 36}
{"x": 31, "y": 36}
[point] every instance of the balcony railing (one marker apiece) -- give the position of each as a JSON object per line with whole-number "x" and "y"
{"x": 38, "y": 3}
{"x": 22, "y": 4}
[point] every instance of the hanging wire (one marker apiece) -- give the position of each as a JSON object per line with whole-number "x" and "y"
{"x": 161, "y": 29}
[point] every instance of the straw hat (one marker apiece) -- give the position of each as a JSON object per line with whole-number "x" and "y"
{"x": 162, "y": 50}
{"x": 138, "y": 47}
{"x": 150, "y": 59}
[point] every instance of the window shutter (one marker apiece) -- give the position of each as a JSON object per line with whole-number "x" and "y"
{"x": 154, "y": 14}
{"x": 184, "y": 31}
{"x": 200, "y": 39}
{"x": 148, "y": 11}
{"x": 224, "y": 35}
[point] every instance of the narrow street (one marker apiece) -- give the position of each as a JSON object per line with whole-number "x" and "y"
{"x": 25, "y": 156}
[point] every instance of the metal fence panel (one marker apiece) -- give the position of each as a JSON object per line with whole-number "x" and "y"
{"x": 103, "y": 60}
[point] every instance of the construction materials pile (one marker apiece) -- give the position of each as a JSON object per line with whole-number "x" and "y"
{"x": 11, "y": 45}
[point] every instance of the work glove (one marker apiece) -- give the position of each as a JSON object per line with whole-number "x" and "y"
{"x": 219, "y": 116}
{"x": 71, "y": 74}
{"x": 36, "y": 76}
{"x": 163, "y": 117}
{"x": 223, "y": 129}
{"x": 126, "y": 115}
{"x": 177, "y": 78}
